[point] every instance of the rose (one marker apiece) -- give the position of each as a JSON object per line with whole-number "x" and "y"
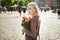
{"x": 26, "y": 22}
{"x": 26, "y": 19}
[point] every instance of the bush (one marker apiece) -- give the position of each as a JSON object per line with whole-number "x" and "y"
{"x": 6, "y": 2}
{"x": 23, "y": 3}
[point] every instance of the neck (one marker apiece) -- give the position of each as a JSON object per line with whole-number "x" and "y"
{"x": 34, "y": 15}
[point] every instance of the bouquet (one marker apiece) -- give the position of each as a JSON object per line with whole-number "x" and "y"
{"x": 26, "y": 22}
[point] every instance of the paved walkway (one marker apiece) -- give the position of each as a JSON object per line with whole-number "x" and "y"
{"x": 10, "y": 28}
{"x": 50, "y": 26}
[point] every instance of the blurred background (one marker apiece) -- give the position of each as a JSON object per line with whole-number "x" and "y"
{"x": 11, "y": 12}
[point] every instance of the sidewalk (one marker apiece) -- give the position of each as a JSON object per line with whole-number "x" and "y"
{"x": 10, "y": 28}
{"x": 9, "y": 14}
{"x": 50, "y": 26}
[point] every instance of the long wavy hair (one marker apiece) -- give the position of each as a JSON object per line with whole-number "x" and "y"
{"x": 35, "y": 6}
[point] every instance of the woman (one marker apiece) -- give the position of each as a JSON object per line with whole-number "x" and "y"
{"x": 33, "y": 32}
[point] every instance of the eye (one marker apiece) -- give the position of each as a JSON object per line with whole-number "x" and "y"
{"x": 29, "y": 8}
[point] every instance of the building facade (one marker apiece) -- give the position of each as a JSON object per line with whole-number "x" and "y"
{"x": 37, "y": 1}
{"x": 47, "y": 3}
{"x": 58, "y": 4}
{"x": 42, "y": 4}
{"x": 53, "y": 4}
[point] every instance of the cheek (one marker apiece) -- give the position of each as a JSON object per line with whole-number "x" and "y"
{"x": 29, "y": 11}
{"x": 32, "y": 11}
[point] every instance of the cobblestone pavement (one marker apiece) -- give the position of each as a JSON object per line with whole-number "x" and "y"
{"x": 50, "y": 26}
{"x": 10, "y": 28}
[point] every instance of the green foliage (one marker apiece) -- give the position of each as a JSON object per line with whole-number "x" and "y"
{"x": 26, "y": 2}
{"x": 23, "y": 3}
{"x": 12, "y": 2}
{"x": 25, "y": 24}
{"x": 30, "y": 0}
{"x": 6, "y": 2}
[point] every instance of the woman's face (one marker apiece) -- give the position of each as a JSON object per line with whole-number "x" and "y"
{"x": 30, "y": 10}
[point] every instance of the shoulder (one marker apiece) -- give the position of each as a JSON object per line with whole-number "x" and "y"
{"x": 35, "y": 19}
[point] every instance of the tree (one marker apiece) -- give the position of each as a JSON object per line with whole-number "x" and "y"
{"x": 7, "y": 3}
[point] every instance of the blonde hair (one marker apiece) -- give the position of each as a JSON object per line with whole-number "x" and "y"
{"x": 35, "y": 6}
